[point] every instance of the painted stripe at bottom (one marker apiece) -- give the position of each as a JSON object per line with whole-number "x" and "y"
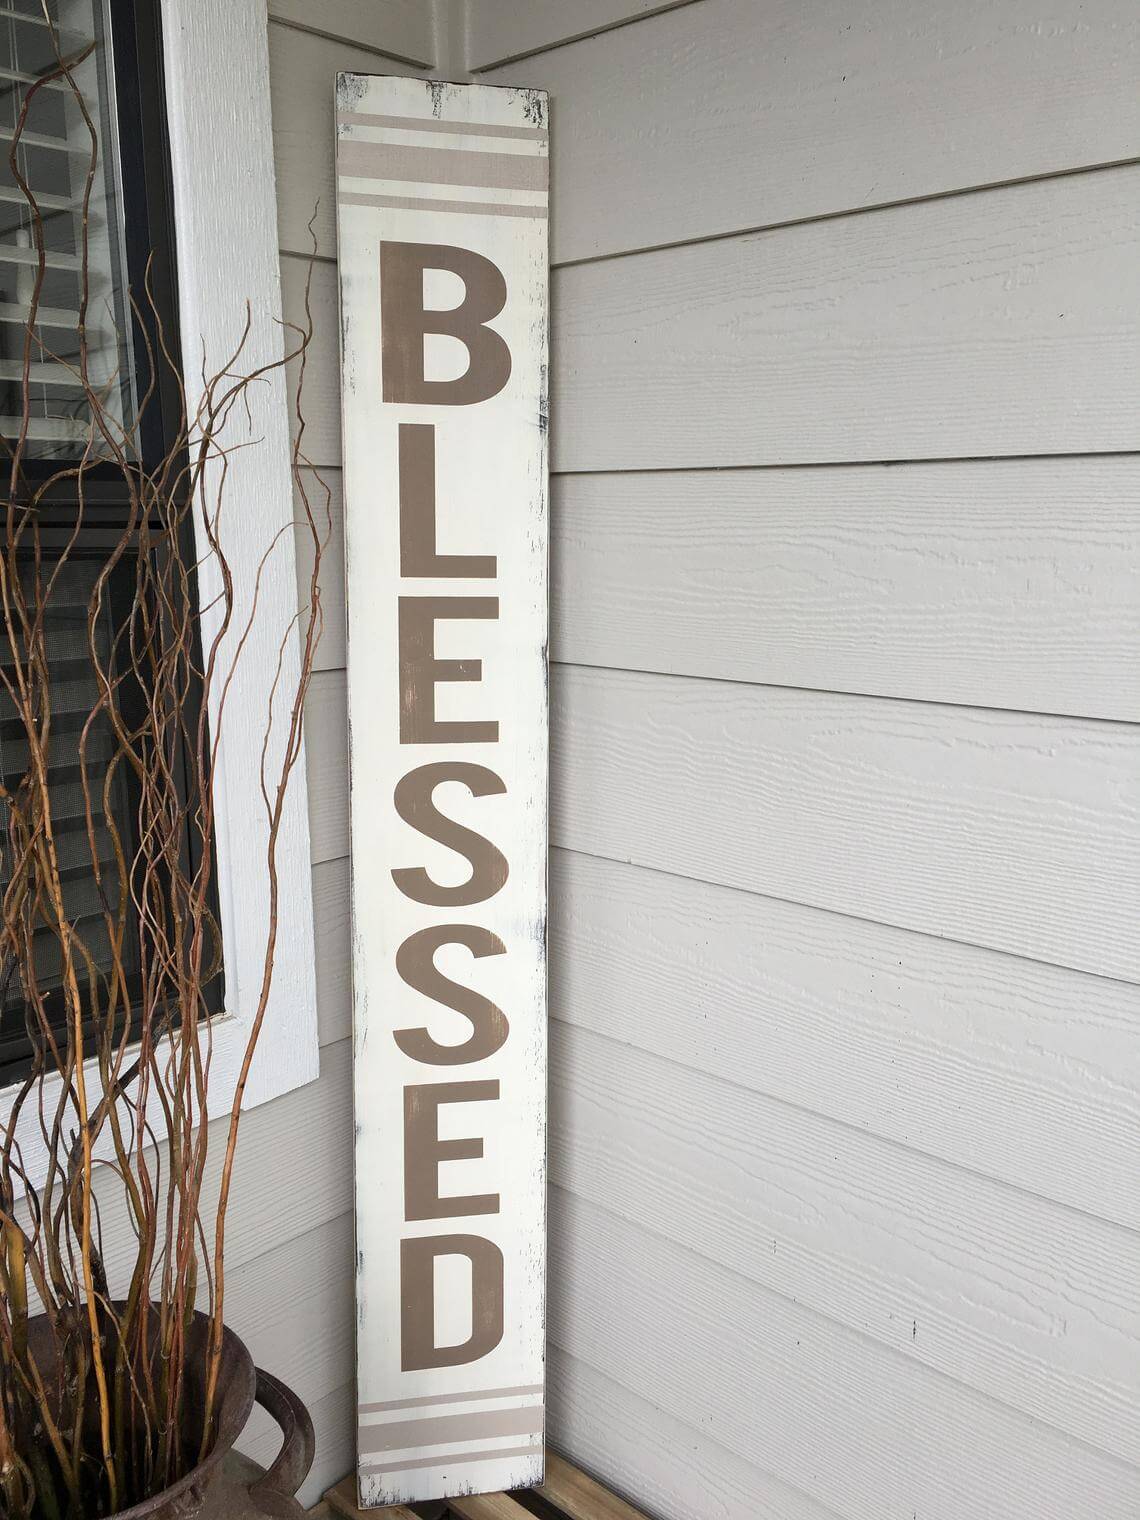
{"x": 415, "y": 203}
{"x": 452, "y": 1459}
{"x": 437, "y": 1430}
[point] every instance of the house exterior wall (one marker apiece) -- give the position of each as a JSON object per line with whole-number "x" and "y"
{"x": 846, "y": 508}
{"x": 846, "y": 520}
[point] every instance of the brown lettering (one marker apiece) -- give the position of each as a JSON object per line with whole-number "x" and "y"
{"x": 415, "y": 803}
{"x": 420, "y": 671}
{"x": 404, "y": 324}
{"x": 418, "y": 555}
{"x": 418, "y": 1349}
{"x": 415, "y": 962}
{"x": 424, "y": 1150}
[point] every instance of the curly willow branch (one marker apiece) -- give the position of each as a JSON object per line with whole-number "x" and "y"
{"x": 109, "y": 942}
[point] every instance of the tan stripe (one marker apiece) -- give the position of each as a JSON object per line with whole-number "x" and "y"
{"x": 442, "y": 166}
{"x": 452, "y": 1459}
{"x": 431, "y": 124}
{"x": 414, "y": 203}
{"x": 396, "y": 1435}
{"x": 523, "y": 1391}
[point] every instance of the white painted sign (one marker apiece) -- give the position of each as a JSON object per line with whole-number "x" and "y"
{"x": 442, "y": 205}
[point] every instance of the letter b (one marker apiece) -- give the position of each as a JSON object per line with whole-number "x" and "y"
{"x": 404, "y": 323}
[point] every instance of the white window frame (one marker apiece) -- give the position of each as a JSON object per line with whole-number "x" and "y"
{"x": 225, "y": 215}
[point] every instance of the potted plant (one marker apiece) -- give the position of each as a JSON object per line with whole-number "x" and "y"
{"x": 122, "y": 1397}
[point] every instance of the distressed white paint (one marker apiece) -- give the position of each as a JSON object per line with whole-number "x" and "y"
{"x": 490, "y": 464}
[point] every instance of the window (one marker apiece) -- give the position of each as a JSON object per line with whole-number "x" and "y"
{"x": 212, "y": 61}
{"x": 129, "y": 245}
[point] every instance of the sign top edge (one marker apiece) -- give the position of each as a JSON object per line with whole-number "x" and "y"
{"x": 507, "y": 104}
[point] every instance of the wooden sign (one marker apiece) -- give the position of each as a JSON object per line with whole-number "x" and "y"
{"x": 442, "y": 205}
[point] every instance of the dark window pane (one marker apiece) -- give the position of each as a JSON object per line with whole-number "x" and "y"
{"x": 80, "y": 747}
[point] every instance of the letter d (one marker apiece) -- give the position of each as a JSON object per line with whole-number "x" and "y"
{"x": 417, "y": 1300}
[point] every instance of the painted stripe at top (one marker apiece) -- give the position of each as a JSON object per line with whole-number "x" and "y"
{"x": 433, "y": 124}
{"x": 442, "y": 166}
{"x": 427, "y": 203}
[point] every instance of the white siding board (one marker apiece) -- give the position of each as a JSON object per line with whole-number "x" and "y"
{"x": 1006, "y": 830}
{"x": 862, "y": 1430}
{"x": 331, "y": 650}
{"x": 334, "y": 962}
{"x": 1002, "y": 829}
{"x": 302, "y": 1331}
{"x": 1011, "y": 583}
{"x": 662, "y": 1465}
{"x": 498, "y": 30}
{"x": 1001, "y": 323}
{"x": 402, "y": 29}
{"x": 1018, "y": 1298}
{"x": 727, "y": 115}
{"x": 302, "y": 76}
{"x": 321, "y": 439}
{"x": 1013, "y": 1070}
{"x": 326, "y": 736}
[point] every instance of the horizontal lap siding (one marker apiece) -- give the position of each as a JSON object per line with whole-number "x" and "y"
{"x": 1008, "y": 830}
{"x": 398, "y": 29}
{"x": 845, "y": 1092}
{"x": 1023, "y": 1072}
{"x": 828, "y": 1410}
{"x": 727, "y": 114}
{"x": 294, "y": 1308}
{"x": 951, "y": 1271}
{"x": 502, "y": 29}
{"x": 612, "y": 1429}
{"x": 1005, "y": 322}
{"x": 999, "y": 584}
{"x": 935, "y": 1137}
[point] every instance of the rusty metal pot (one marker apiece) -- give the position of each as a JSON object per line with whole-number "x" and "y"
{"x": 222, "y": 1485}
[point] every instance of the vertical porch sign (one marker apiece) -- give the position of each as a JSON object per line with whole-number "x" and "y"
{"x": 441, "y": 211}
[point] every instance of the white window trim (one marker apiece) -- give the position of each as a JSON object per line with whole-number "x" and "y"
{"x": 225, "y": 211}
